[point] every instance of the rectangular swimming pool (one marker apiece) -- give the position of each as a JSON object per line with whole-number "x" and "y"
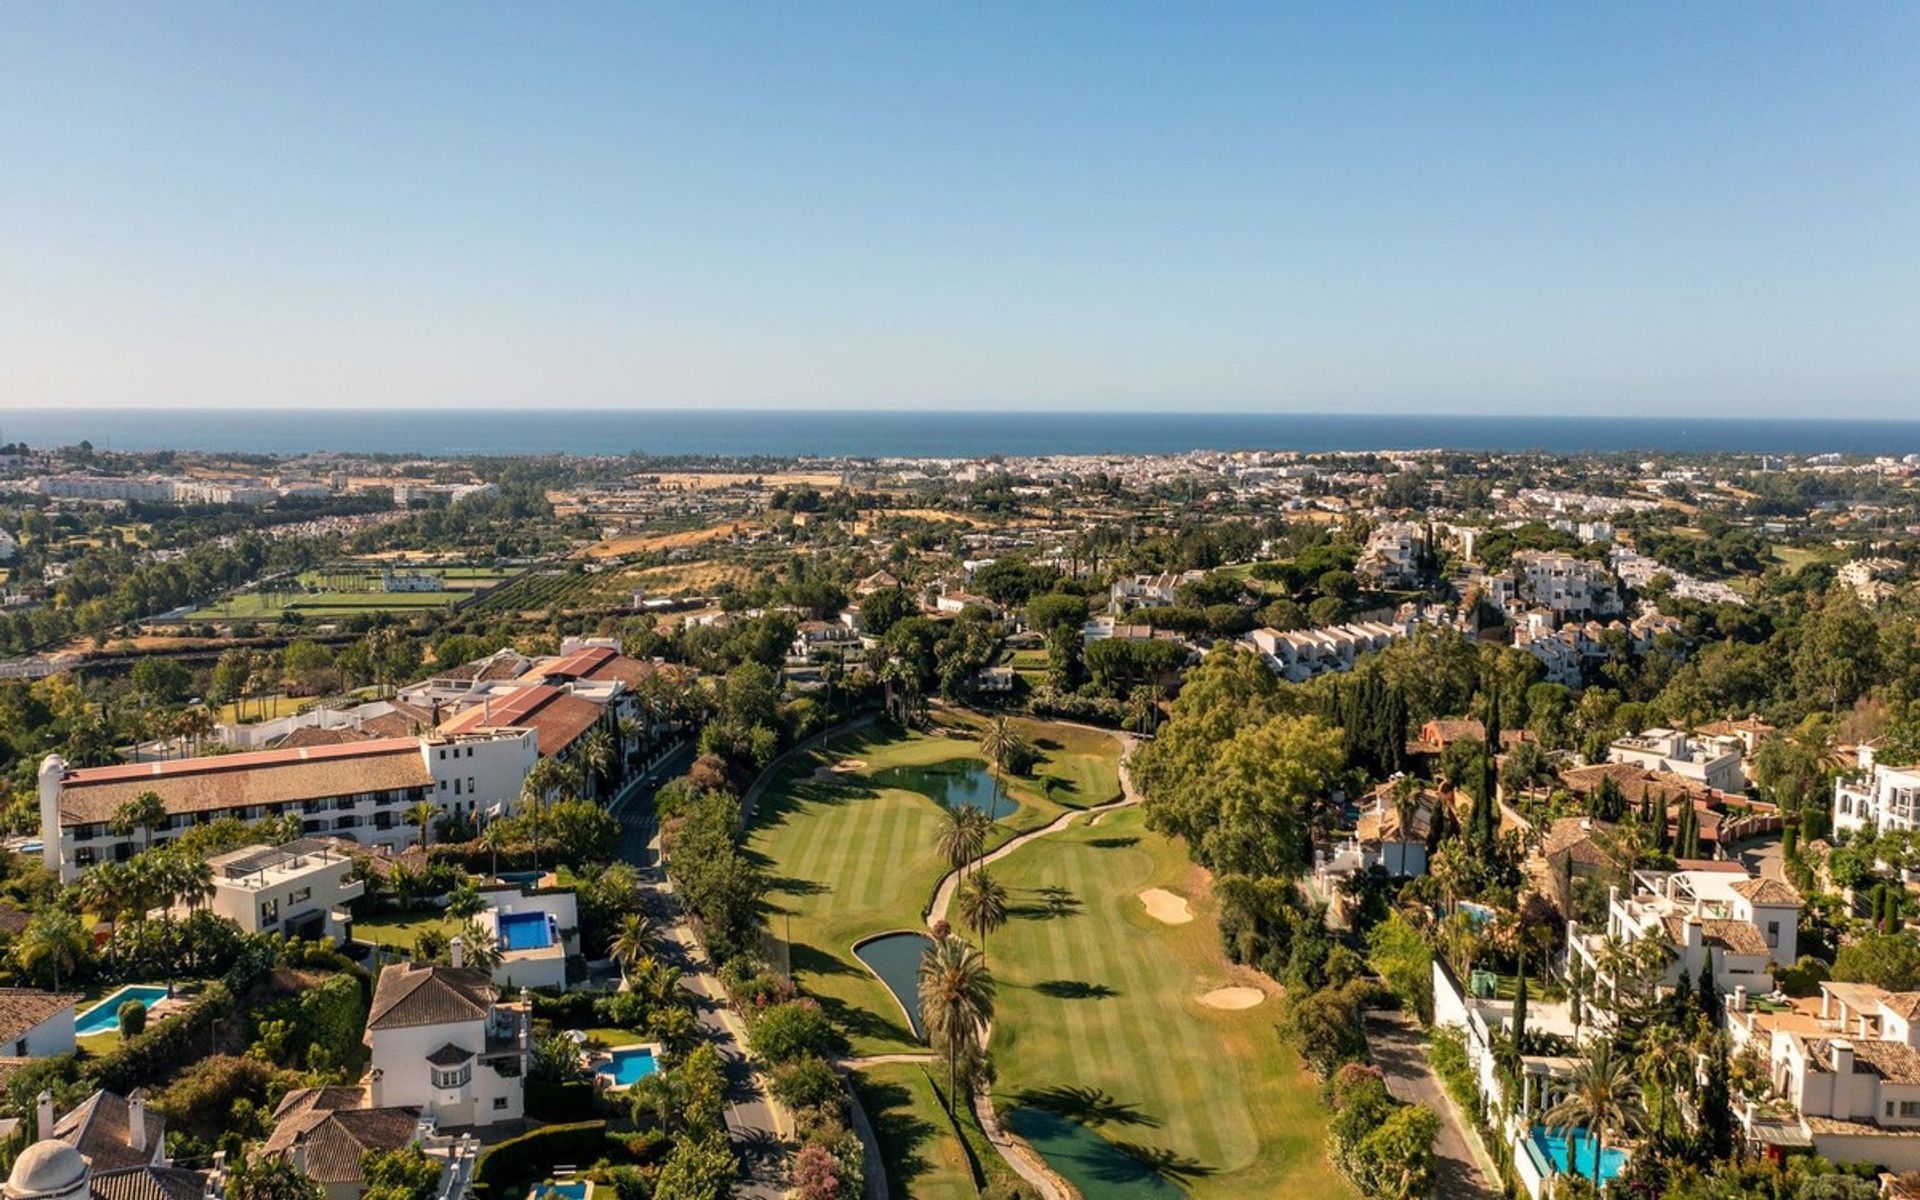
{"x": 526, "y": 931}
{"x": 630, "y": 1065}
{"x": 1570, "y": 1152}
{"x": 104, "y": 1017}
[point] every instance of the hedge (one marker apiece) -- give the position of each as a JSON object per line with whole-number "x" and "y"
{"x": 165, "y": 1046}
{"x": 570, "y": 1101}
{"x": 510, "y": 1167}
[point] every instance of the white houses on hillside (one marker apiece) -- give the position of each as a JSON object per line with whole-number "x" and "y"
{"x": 442, "y": 1042}
{"x": 1714, "y": 761}
{"x": 1882, "y": 796}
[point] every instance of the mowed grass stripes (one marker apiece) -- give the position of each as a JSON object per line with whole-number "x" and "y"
{"x": 1100, "y": 1020}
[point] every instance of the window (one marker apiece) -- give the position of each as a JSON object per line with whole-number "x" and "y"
{"x": 1909, "y": 1109}
{"x": 443, "y": 755}
{"x": 455, "y": 1078}
{"x": 1773, "y": 935}
{"x": 499, "y": 1102}
{"x": 456, "y": 787}
{"x": 443, "y": 785}
{"x": 299, "y": 894}
{"x": 269, "y": 911}
{"x": 20, "y": 1048}
{"x": 470, "y": 788}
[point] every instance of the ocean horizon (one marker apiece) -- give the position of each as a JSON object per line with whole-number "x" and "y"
{"x": 944, "y": 434}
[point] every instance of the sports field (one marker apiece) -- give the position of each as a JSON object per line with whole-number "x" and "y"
{"x": 1100, "y": 1020}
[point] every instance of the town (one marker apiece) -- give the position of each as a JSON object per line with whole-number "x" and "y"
{"x": 1218, "y": 824}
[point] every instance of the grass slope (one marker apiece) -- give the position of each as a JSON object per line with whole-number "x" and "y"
{"x": 1099, "y": 1020}
{"x": 924, "y": 1160}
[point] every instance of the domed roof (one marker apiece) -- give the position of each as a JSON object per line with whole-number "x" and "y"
{"x": 49, "y": 1168}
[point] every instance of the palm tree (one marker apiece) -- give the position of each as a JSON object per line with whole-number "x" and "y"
{"x": 1601, "y": 1098}
{"x": 598, "y": 754}
{"x": 633, "y": 943}
{"x": 481, "y": 949}
{"x": 493, "y": 837}
{"x": 999, "y": 744}
{"x": 145, "y": 813}
{"x": 983, "y": 905}
{"x": 547, "y": 777}
{"x": 956, "y": 1000}
{"x": 962, "y": 836}
{"x": 421, "y": 816}
{"x": 1405, "y": 794}
{"x": 53, "y": 939}
{"x": 1665, "y": 1065}
{"x": 1143, "y": 710}
{"x": 464, "y": 901}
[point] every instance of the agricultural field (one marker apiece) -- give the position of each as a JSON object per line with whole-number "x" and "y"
{"x": 552, "y": 588}
{"x": 339, "y": 591}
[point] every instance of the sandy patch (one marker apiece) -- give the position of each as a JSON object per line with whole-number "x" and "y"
{"x": 837, "y": 772}
{"x": 1163, "y": 905}
{"x": 849, "y": 764}
{"x": 1233, "y": 997}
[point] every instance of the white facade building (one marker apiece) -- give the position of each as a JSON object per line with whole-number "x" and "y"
{"x": 36, "y": 1024}
{"x": 1301, "y": 654}
{"x": 1744, "y": 924}
{"x": 1884, "y": 797}
{"x": 536, "y": 929}
{"x": 1566, "y": 585}
{"x": 299, "y": 889}
{"x": 443, "y": 1043}
{"x": 1717, "y": 762}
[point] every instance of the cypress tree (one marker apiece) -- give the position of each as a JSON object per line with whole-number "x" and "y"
{"x": 1709, "y": 992}
{"x": 1662, "y": 839}
{"x": 1520, "y": 1009}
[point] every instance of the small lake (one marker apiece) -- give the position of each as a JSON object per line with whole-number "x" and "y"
{"x": 1088, "y": 1161}
{"x": 895, "y": 958}
{"x": 954, "y": 782}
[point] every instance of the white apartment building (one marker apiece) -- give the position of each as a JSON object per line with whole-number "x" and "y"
{"x": 1563, "y": 584}
{"x": 1884, "y": 797}
{"x": 1870, "y": 579}
{"x": 1149, "y": 591}
{"x": 105, "y": 487}
{"x": 1717, "y": 762}
{"x": 299, "y": 889}
{"x": 443, "y": 1043}
{"x": 359, "y": 791}
{"x": 1301, "y": 654}
{"x": 1747, "y": 925}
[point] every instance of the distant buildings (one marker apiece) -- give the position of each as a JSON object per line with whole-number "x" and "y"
{"x": 1149, "y": 591}
{"x": 1301, "y": 654}
{"x": 1392, "y": 556}
{"x": 1716, "y": 762}
{"x": 1564, "y": 585}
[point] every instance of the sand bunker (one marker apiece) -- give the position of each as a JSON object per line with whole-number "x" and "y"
{"x": 1163, "y": 905}
{"x": 1233, "y": 997}
{"x": 837, "y": 772}
{"x": 848, "y": 764}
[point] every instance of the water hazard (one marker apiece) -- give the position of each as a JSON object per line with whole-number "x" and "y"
{"x": 958, "y": 781}
{"x": 895, "y": 958}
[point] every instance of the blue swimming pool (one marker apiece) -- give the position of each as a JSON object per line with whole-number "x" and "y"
{"x": 630, "y": 1065}
{"x": 1570, "y": 1152}
{"x": 576, "y": 1189}
{"x": 523, "y": 878}
{"x": 526, "y": 931}
{"x": 104, "y": 1017}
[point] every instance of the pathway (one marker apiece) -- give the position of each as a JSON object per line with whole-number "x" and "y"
{"x": 950, "y": 882}
{"x": 1462, "y": 1168}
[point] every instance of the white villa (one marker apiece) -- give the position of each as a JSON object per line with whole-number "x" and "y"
{"x": 536, "y": 929}
{"x": 1566, "y": 585}
{"x": 1876, "y": 794}
{"x": 1744, "y": 924}
{"x": 1717, "y": 762}
{"x": 1301, "y": 654}
{"x": 443, "y": 1043}
{"x": 36, "y": 1024}
{"x": 299, "y": 889}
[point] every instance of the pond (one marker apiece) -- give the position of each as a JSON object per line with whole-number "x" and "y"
{"x": 954, "y": 782}
{"x": 895, "y": 958}
{"x": 1088, "y": 1161}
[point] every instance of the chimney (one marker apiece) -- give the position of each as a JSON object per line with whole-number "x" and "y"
{"x": 137, "y": 1119}
{"x": 1843, "y": 1078}
{"x": 486, "y": 710}
{"x": 376, "y": 1087}
{"x": 457, "y": 948}
{"x": 1740, "y": 998}
{"x": 43, "y": 1113}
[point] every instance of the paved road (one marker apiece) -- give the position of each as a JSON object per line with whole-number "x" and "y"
{"x": 1397, "y": 1051}
{"x": 752, "y": 1122}
{"x": 1765, "y": 857}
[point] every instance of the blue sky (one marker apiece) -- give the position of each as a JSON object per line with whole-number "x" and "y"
{"x": 1662, "y": 208}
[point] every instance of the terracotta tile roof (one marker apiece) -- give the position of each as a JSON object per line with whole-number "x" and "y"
{"x": 1768, "y": 892}
{"x": 23, "y": 1008}
{"x": 1573, "y": 836}
{"x": 578, "y": 665}
{"x": 449, "y": 1055}
{"x": 429, "y": 994}
{"x": 150, "y": 1183}
{"x": 557, "y": 718}
{"x": 1905, "y": 1005}
{"x": 313, "y": 735}
{"x": 98, "y": 1130}
{"x": 336, "y": 1132}
{"x": 13, "y": 919}
{"x": 1733, "y": 937}
{"x": 243, "y": 780}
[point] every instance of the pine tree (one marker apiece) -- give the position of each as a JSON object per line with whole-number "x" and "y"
{"x": 1716, "y": 1105}
{"x": 1520, "y": 1009}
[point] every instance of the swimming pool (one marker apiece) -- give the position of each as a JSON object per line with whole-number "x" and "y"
{"x": 523, "y": 878}
{"x": 573, "y": 1189}
{"x": 630, "y": 1065}
{"x": 104, "y": 1017}
{"x": 526, "y": 931}
{"x": 1555, "y": 1147}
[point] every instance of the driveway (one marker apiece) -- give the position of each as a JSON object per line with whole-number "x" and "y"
{"x": 1399, "y": 1051}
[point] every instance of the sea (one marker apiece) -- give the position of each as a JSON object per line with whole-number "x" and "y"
{"x": 921, "y": 434}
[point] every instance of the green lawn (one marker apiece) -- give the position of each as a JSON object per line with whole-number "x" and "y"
{"x": 849, "y": 860}
{"x": 401, "y": 929}
{"x": 924, "y": 1159}
{"x": 1099, "y": 1019}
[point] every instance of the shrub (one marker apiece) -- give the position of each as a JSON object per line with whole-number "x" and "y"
{"x": 508, "y": 1168}
{"x": 133, "y": 1018}
{"x": 807, "y": 1083}
{"x": 794, "y": 1030}
{"x": 164, "y": 1048}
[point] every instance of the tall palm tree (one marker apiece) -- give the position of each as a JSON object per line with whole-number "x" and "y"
{"x": 481, "y": 949}
{"x": 962, "y": 835}
{"x": 1601, "y": 1098}
{"x": 53, "y": 939}
{"x": 1665, "y": 1063}
{"x": 633, "y": 943}
{"x": 143, "y": 814}
{"x": 983, "y": 905}
{"x": 998, "y": 745}
{"x": 956, "y": 1000}
{"x": 493, "y": 837}
{"x": 421, "y": 816}
{"x": 598, "y": 754}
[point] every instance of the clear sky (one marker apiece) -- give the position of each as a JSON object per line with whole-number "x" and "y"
{"x": 1662, "y": 208}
